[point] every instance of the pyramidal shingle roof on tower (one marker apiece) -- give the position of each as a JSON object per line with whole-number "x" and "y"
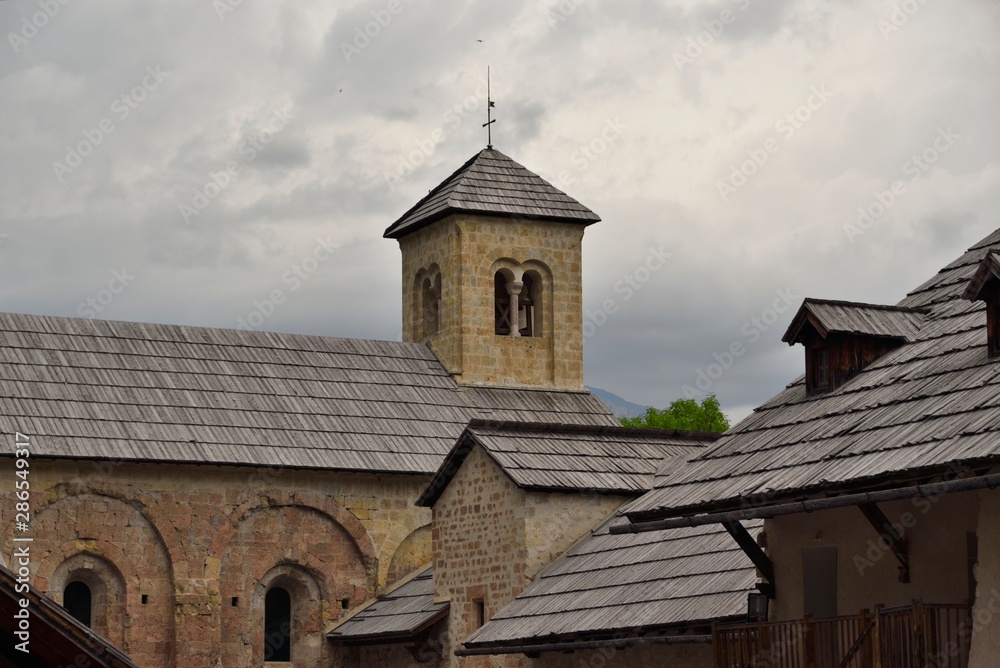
{"x": 490, "y": 183}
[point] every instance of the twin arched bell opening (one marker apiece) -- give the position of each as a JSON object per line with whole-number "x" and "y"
{"x": 515, "y": 303}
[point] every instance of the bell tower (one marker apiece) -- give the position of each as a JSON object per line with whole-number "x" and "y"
{"x": 492, "y": 276}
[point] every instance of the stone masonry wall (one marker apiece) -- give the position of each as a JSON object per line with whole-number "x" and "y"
{"x": 467, "y": 250}
{"x": 182, "y": 555}
{"x": 491, "y": 538}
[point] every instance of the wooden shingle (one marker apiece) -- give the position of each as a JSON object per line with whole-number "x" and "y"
{"x": 490, "y": 183}
{"x": 919, "y": 410}
{"x": 141, "y": 392}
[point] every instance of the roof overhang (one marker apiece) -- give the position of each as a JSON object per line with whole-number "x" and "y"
{"x": 987, "y": 273}
{"x": 955, "y": 478}
{"x": 56, "y": 638}
{"x": 638, "y": 638}
{"x": 469, "y": 440}
{"x": 895, "y": 322}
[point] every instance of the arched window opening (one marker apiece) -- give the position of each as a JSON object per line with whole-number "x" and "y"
{"x": 277, "y": 625}
{"x": 430, "y": 297}
{"x": 517, "y": 304}
{"x": 77, "y": 601}
{"x": 501, "y": 301}
{"x": 526, "y": 307}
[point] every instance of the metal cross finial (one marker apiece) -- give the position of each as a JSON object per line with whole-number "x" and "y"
{"x": 489, "y": 114}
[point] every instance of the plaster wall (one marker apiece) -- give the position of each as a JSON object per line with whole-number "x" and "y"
{"x": 867, "y": 573}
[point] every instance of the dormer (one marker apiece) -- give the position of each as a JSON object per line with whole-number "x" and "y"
{"x": 842, "y": 338}
{"x": 985, "y": 286}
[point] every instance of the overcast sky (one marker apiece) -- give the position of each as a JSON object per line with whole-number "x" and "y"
{"x": 738, "y": 137}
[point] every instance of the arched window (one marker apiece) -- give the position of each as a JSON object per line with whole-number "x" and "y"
{"x": 93, "y": 592}
{"x": 527, "y": 308}
{"x": 430, "y": 296}
{"x": 277, "y": 625}
{"x": 517, "y": 303}
{"x": 501, "y": 301}
{"x": 77, "y": 601}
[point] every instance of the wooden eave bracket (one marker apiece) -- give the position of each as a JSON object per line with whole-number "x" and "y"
{"x": 900, "y": 548}
{"x": 752, "y": 550}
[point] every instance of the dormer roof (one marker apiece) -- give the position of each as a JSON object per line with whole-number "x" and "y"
{"x": 988, "y": 271}
{"x": 828, "y": 317}
{"x": 490, "y": 183}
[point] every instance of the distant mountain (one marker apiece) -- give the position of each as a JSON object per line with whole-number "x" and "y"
{"x": 620, "y": 407}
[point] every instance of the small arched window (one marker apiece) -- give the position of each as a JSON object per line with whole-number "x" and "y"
{"x": 501, "y": 302}
{"x": 277, "y": 625}
{"x": 430, "y": 296}
{"x": 517, "y": 304}
{"x": 77, "y": 600}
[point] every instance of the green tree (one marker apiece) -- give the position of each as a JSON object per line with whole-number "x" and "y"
{"x": 683, "y": 414}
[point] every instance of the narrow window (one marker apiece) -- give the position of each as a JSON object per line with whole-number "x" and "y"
{"x": 430, "y": 296}
{"x": 819, "y": 581}
{"x": 526, "y": 308}
{"x": 277, "y": 625}
{"x": 501, "y": 301}
{"x": 479, "y": 612}
{"x": 993, "y": 324}
{"x": 77, "y": 601}
{"x": 821, "y": 369}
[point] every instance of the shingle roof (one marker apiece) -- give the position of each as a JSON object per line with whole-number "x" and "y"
{"x": 490, "y": 183}
{"x": 912, "y": 413}
{"x": 400, "y": 614}
{"x": 56, "y": 637}
{"x": 854, "y": 318}
{"x": 615, "y": 584}
{"x": 133, "y": 391}
{"x": 568, "y": 457}
{"x": 989, "y": 269}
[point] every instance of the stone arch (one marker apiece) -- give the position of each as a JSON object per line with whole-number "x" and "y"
{"x": 132, "y": 496}
{"x": 128, "y": 565}
{"x": 412, "y": 552}
{"x": 426, "y": 302}
{"x": 272, "y": 498}
{"x": 300, "y": 539}
{"x": 107, "y": 589}
{"x": 538, "y": 288}
{"x": 522, "y": 295}
{"x": 430, "y": 302}
{"x": 306, "y": 631}
{"x": 502, "y": 257}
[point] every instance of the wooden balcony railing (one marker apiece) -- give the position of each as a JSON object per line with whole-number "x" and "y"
{"x": 915, "y": 636}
